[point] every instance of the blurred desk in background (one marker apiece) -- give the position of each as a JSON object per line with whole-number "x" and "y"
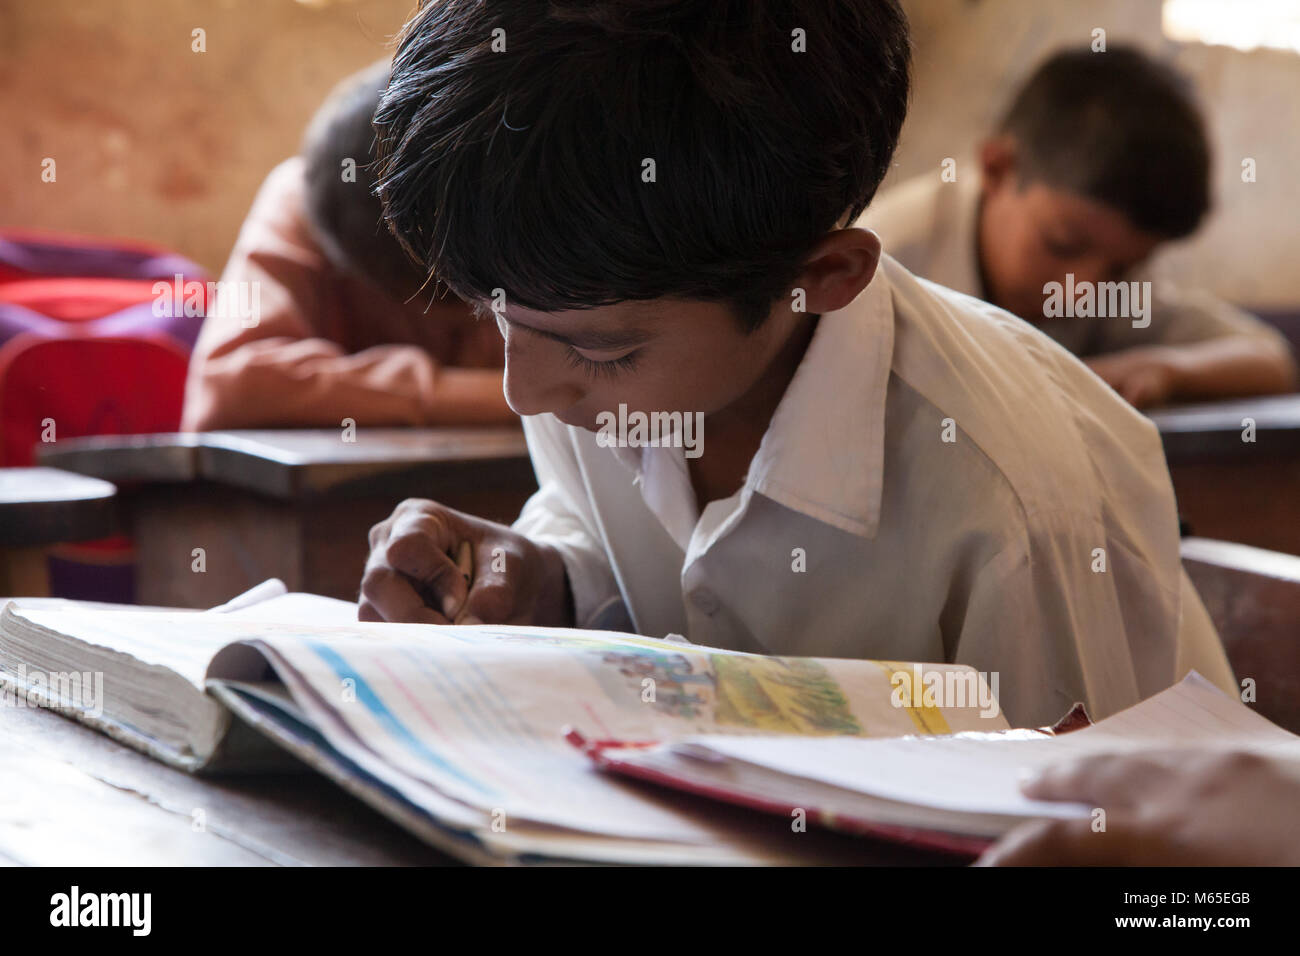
{"x": 214, "y": 513}
{"x": 44, "y": 506}
{"x": 1230, "y": 488}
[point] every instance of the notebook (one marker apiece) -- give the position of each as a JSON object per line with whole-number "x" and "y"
{"x": 457, "y": 733}
{"x": 957, "y": 792}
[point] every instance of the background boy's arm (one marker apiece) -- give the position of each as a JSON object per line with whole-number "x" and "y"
{"x": 310, "y": 382}
{"x": 1196, "y": 347}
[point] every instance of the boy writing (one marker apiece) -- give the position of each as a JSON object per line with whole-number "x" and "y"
{"x": 654, "y": 203}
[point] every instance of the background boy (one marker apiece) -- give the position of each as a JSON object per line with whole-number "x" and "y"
{"x": 1100, "y": 159}
{"x": 346, "y": 329}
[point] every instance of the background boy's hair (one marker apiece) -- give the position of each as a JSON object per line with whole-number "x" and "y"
{"x": 522, "y": 168}
{"x": 347, "y": 217}
{"x": 1119, "y": 128}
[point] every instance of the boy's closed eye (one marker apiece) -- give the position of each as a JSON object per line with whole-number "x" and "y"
{"x": 604, "y": 364}
{"x": 608, "y": 355}
{"x": 1063, "y": 247}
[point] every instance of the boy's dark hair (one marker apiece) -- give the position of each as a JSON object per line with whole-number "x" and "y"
{"x": 523, "y": 169}
{"x": 347, "y": 217}
{"x": 1117, "y": 127}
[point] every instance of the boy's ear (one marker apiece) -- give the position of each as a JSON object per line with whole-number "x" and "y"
{"x": 838, "y": 268}
{"x": 997, "y": 159}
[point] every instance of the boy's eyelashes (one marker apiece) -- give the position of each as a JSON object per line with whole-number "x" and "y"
{"x": 1064, "y": 248}
{"x": 607, "y": 368}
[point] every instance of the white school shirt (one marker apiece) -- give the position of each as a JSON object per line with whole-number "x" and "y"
{"x": 930, "y": 226}
{"x": 860, "y": 532}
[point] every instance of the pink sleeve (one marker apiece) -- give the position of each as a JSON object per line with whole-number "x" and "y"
{"x": 283, "y": 368}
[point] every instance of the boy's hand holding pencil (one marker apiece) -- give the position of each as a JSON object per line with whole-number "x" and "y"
{"x": 430, "y": 564}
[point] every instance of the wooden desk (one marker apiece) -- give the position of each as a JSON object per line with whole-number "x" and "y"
{"x": 1230, "y": 489}
{"x": 44, "y": 506}
{"x": 74, "y": 797}
{"x": 296, "y": 505}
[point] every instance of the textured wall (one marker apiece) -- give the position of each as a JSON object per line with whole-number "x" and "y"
{"x": 150, "y": 138}
{"x": 154, "y": 140}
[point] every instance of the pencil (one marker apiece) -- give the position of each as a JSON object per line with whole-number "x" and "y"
{"x": 464, "y": 564}
{"x": 465, "y": 561}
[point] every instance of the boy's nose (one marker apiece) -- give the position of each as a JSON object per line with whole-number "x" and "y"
{"x": 532, "y": 390}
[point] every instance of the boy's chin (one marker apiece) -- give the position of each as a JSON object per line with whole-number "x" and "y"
{"x": 586, "y": 424}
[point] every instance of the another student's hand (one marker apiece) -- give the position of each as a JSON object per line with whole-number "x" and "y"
{"x": 412, "y": 575}
{"x": 1164, "y": 808}
{"x": 1143, "y": 376}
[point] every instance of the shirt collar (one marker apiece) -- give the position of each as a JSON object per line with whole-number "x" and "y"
{"x": 823, "y": 453}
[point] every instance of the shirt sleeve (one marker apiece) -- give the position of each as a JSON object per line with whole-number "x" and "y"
{"x": 272, "y": 366}
{"x": 1070, "y": 613}
{"x": 1183, "y": 317}
{"x": 559, "y": 514}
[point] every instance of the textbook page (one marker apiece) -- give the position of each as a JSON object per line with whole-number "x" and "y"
{"x": 477, "y": 713}
{"x": 272, "y": 601}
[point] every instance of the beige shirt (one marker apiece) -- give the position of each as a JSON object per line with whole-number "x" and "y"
{"x": 326, "y": 345}
{"x": 861, "y": 532}
{"x": 930, "y": 227}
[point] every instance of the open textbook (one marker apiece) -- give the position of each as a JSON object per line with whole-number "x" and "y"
{"x": 457, "y": 733}
{"x": 465, "y": 735}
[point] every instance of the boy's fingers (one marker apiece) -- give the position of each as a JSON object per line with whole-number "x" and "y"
{"x": 1063, "y": 781}
{"x": 491, "y": 600}
{"x": 1108, "y": 780}
{"x": 416, "y": 540}
{"x": 1076, "y": 843}
{"x": 418, "y": 546}
{"x": 391, "y": 596}
{"x": 1045, "y": 843}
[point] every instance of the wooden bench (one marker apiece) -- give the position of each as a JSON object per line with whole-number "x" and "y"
{"x": 1253, "y": 597}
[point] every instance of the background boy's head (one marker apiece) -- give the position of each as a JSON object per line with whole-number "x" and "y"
{"x": 345, "y": 215}
{"x": 637, "y": 166}
{"x": 1100, "y": 157}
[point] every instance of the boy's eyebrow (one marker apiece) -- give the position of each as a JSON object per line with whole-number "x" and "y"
{"x": 594, "y": 339}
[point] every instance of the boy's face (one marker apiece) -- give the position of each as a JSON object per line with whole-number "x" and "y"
{"x": 1031, "y": 234}
{"x": 670, "y": 355}
{"x": 655, "y": 355}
